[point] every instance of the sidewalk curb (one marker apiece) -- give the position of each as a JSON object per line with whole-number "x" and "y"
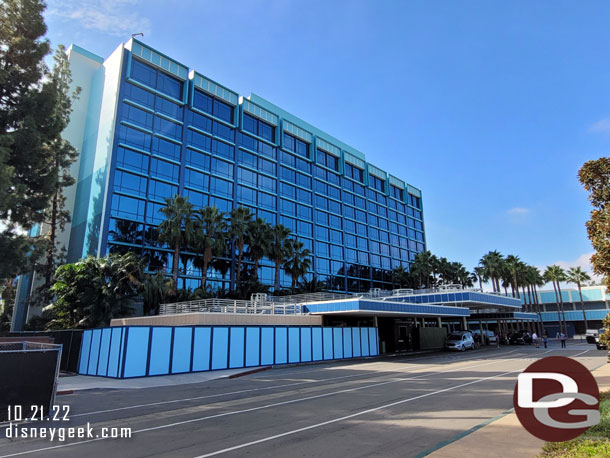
{"x": 253, "y": 371}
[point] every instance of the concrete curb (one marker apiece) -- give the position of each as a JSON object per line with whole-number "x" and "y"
{"x": 253, "y": 371}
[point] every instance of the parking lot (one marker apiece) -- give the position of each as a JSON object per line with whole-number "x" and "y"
{"x": 401, "y": 406}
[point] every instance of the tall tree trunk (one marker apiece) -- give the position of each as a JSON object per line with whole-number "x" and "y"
{"x": 515, "y": 282}
{"x": 207, "y": 257}
{"x": 277, "y": 276}
{"x": 52, "y": 237}
{"x": 558, "y": 309}
{"x": 175, "y": 264}
{"x": 563, "y": 313}
{"x": 240, "y": 256}
{"x": 256, "y": 263}
{"x": 582, "y": 306}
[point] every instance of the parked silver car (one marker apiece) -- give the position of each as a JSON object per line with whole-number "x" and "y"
{"x": 461, "y": 341}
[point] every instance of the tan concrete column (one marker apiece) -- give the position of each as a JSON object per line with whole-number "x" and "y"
{"x": 439, "y": 322}
{"x": 464, "y": 323}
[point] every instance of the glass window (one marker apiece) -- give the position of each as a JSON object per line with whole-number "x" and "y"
{"x": 301, "y": 148}
{"x": 202, "y": 101}
{"x": 221, "y": 187}
{"x": 259, "y": 127}
{"x": 334, "y": 221}
{"x": 322, "y": 249}
{"x": 290, "y": 223}
{"x": 224, "y": 132}
{"x": 336, "y": 236}
{"x": 197, "y": 159}
{"x": 287, "y": 158}
{"x": 169, "y": 85}
{"x": 266, "y": 201}
{"x": 354, "y": 172}
{"x": 247, "y": 195}
{"x": 287, "y": 174}
{"x": 267, "y": 150}
{"x": 223, "y": 205}
{"x": 250, "y": 124}
{"x": 168, "y": 128}
{"x": 304, "y": 212}
{"x": 166, "y": 148}
{"x": 222, "y": 149}
{"x": 266, "y": 166}
{"x": 127, "y": 207}
{"x": 198, "y": 199}
{"x": 321, "y": 217}
{"x": 134, "y": 137}
{"x": 397, "y": 193}
{"x": 169, "y": 108}
{"x": 287, "y": 207}
{"x": 246, "y": 176}
{"x": 195, "y": 179}
{"x": 288, "y": 190}
{"x": 334, "y": 192}
{"x": 165, "y": 170}
{"x": 143, "y": 73}
{"x": 129, "y": 183}
{"x": 266, "y": 183}
{"x": 199, "y": 121}
{"x": 303, "y": 196}
{"x": 305, "y": 228}
{"x": 303, "y": 165}
{"x": 139, "y": 95}
{"x": 322, "y": 233}
{"x": 222, "y": 168}
{"x": 288, "y": 142}
{"x": 350, "y": 240}
{"x": 321, "y": 202}
{"x": 159, "y": 190}
{"x": 246, "y": 158}
{"x": 303, "y": 180}
{"x": 223, "y": 111}
{"x": 336, "y": 252}
{"x": 137, "y": 116}
{"x": 132, "y": 160}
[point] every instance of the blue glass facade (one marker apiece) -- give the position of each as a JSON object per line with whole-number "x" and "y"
{"x": 189, "y": 135}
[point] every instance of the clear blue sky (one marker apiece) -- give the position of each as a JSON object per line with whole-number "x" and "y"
{"x": 489, "y": 107}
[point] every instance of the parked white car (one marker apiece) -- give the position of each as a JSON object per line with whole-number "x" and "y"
{"x": 461, "y": 341}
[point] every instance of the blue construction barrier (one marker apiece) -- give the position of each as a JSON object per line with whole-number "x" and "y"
{"x": 141, "y": 351}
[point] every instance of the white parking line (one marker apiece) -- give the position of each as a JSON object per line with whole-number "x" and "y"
{"x": 347, "y": 417}
{"x": 250, "y": 390}
{"x": 267, "y": 406}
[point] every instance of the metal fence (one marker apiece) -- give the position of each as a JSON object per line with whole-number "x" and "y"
{"x": 231, "y": 306}
{"x": 28, "y": 377}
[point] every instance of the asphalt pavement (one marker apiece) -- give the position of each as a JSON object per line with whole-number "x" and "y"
{"x": 403, "y": 407}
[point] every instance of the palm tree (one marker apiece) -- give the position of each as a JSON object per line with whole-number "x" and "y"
{"x": 258, "y": 239}
{"x": 578, "y": 276}
{"x": 493, "y": 266}
{"x": 278, "y": 250}
{"x": 298, "y": 261}
{"x": 513, "y": 264}
{"x": 556, "y": 274}
{"x": 239, "y": 219}
{"x": 211, "y": 236}
{"x": 400, "y": 276}
{"x": 423, "y": 266}
{"x": 178, "y": 230}
{"x": 155, "y": 289}
{"x": 479, "y": 272}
